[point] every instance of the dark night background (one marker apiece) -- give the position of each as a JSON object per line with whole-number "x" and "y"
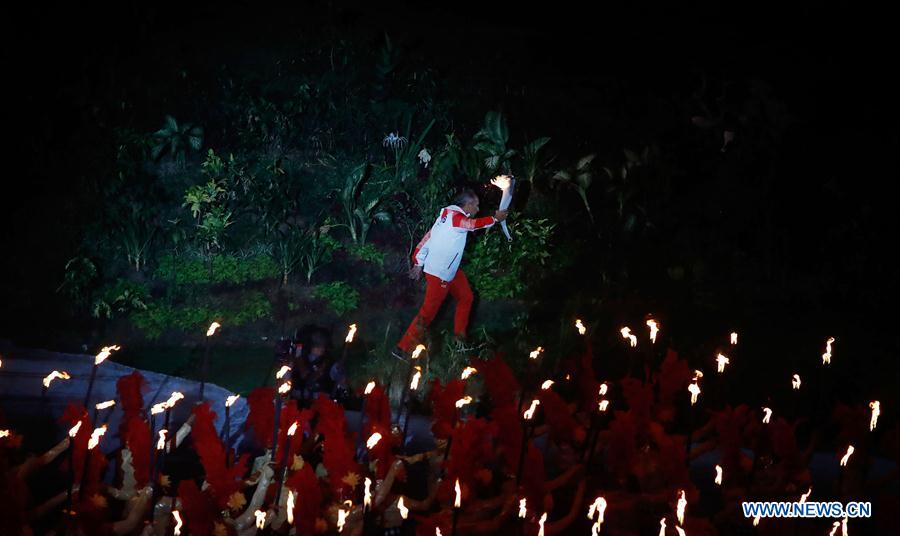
{"x": 794, "y": 226}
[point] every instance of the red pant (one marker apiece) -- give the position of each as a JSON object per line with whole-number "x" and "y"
{"x": 435, "y": 293}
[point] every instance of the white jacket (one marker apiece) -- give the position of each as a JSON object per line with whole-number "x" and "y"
{"x": 441, "y": 250}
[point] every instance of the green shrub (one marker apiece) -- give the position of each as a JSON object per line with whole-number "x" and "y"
{"x": 341, "y": 297}
{"x": 368, "y": 253}
{"x": 225, "y": 269}
{"x": 159, "y": 317}
{"x": 120, "y": 298}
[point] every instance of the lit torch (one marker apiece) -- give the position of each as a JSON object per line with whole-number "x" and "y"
{"x": 178, "y": 522}
{"x": 541, "y": 523}
{"x": 105, "y": 352}
{"x": 231, "y": 400}
{"x": 523, "y": 510}
{"x": 468, "y": 371}
{"x": 457, "y": 502}
{"x": 679, "y": 530}
{"x": 598, "y": 507}
{"x": 654, "y": 329}
{"x": 718, "y": 480}
{"x": 626, "y": 334}
{"x": 506, "y": 184}
{"x": 694, "y": 389}
{"x": 95, "y": 437}
{"x": 350, "y": 334}
{"x": 734, "y": 337}
{"x": 369, "y": 387}
{"x": 546, "y": 385}
{"x": 158, "y": 408}
{"x": 282, "y": 371}
{"x": 414, "y": 383}
{"x": 418, "y": 351}
{"x": 463, "y": 401}
{"x": 534, "y": 354}
{"x": 721, "y": 361}
{"x": 290, "y": 508}
{"x": 795, "y": 381}
{"x": 173, "y": 399}
{"x": 212, "y": 329}
{"x": 580, "y": 326}
{"x": 54, "y": 375}
{"x": 529, "y": 413}
{"x": 260, "y": 519}
{"x": 104, "y": 405}
{"x": 662, "y": 527}
{"x": 342, "y": 519}
{"x": 826, "y": 357}
{"x": 603, "y": 389}
{"x": 682, "y": 504}
{"x": 768, "y": 415}
{"x": 73, "y": 431}
{"x": 846, "y": 457}
{"x": 161, "y": 443}
{"x": 404, "y": 511}
{"x": 805, "y": 496}
{"x": 373, "y": 440}
{"x": 284, "y": 388}
{"x": 603, "y": 405}
{"x": 876, "y": 411}
{"x": 367, "y": 498}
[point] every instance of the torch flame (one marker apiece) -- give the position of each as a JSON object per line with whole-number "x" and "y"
{"x": 721, "y": 361}
{"x": 414, "y": 384}
{"x": 536, "y": 352}
{"x": 463, "y": 401}
{"x": 231, "y": 400}
{"x": 523, "y": 511}
{"x": 369, "y": 387}
{"x": 501, "y": 181}
{"x": 404, "y": 511}
{"x": 756, "y": 521}
{"x": 718, "y": 475}
{"x": 826, "y": 357}
{"x": 795, "y": 381}
{"x": 580, "y": 326}
{"x": 104, "y": 405}
{"x": 457, "y": 502}
{"x": 541, "y": 522}
{"x": 290, "y": 508}
{"x": 836, "y": 525}
{"x": 56, "y": 374}
{"x": 342, "y": 519}
{"x": 698, "y": 374}
{"x": 682, "y": 504}
{"x": 293, "y": 429}
{"x": 468, "y": 371}
{"x": 73, "y": 431}
{"x": 95, "y": 437}
{"x": 212, "y": 329}
{"x": 846, "y": 457}
{"x": 158, "y": 408}
{"x": 603, "y": 389}
{"x": 373, "y": 440}
{"x": 178, "y": 522}
{"x": 734, "y": 337}
{"x": 654, "y": 329}
{"x": 5, "y": 433}
{"x": 260, "y": 519}
{"x": 176, "y": 396}
{"x": 805, "y": 496}
{"x": 603, "y": 405}
{"x": 626, "y": 334}
{"x": 679, "y": 530}
{"x": 284, "y": 388}
{"x": 437, "y": 531}
{"x": 529, "y": 413}
{"x": 161, "y": 443}
{"x": 546, "y": 385}
{"x": 350, "y": 333}
{"x": 844, "y": 531}
{"x": 695, "y": 392}
{"x": 662, "y": 527}
{"x": 367, "y": 499}
{"x": 768, "y": 415}
{"x": 104, "y": 353}
{"x": 876, "y": 411}
{"x": 282, "y": 371}
{"x": 598, "y": 506}
{"x": 418, "y": 351}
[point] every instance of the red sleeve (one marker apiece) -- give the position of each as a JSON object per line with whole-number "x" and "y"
{"x": 461, "y": 221}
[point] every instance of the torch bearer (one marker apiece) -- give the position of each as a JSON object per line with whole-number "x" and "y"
{"x": 282, "y": 390}
{"x": 694, "y": 389}
{"x": 507, "y": 184}
{"x": 205, "y": 365}
{"x": 170, "y": 403}
{"x": 227, "y": 428}
{"x": 99, "y": 358}
{"x": 92, "y": 444}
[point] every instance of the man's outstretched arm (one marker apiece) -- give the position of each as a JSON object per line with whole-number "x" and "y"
{"x": 464, "y": 223}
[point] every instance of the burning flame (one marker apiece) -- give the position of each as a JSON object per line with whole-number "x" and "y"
{"x": 682, "y": 504}
{"x": 468, "y": 371}
{"x": 580, "y": 326}
{"x": 104, "y": 405}
{"x": 414, "y": 384}
{"x": 662, "y": 527}
{"x": 463, "y": 401}
{"x": 805, "y": 496}
{"x": 290, "y": 508}
{"x": 721, "y": 361}
{"x": 626, "y": 334}
{"x": 795, "y": 381}
{"x": 756, "y": 521}
{"x": 73, "y": 431}
{"x": 367, "y": 499}
{"x": 350, "y": 333}
{"x": 844, "y": 531}
{"x": 293, "y": 429}
{"x": 373, "y": 440}
{"x": 458, "y": 501}
{"x": 282, "y": 371}
{"x": 95, "y": 437}
{"x": 695, "y": 392}
{"x": 501, "y": 181}
{"x": 529, "y": 413}
{"x": 718, "y": 475}
{"x": 834, "y": 527}
{"x": 698, "y": 374}
{"x": 176, "y": 396}
{"x": 404, "y": 511}
{"x": 158, "y": 408}
{"x": 546, "y": 385}
{"x": 846, "y": 457}
{"x": 418, "y": 351}
{"x": 342, "y": 519}
{"x": 56, "y": 374}
{"x": 212, "y": 329}
{"x": 536, "y": 352}
{"x": 876, "y": 411}
{"x": 603, "y": 405}
{"x": 284, "y": 388}
{"x": 231, "y": 400}
{"x": 734, "y": 337}
{"x": 541, "y": 522}
{"x": 826, "y": 357}
{"x": 523, "y": 511}
{"x": 104, "y": 353}
{"x": 369, "y": 387}
{"x": 161, "y": 443}
{"x": 178, "y": 522}
{"x": 437, "y": 531}
{"x": 598, "y": 506}
{"x": 654, "y": 329}
{"x": 260, "y": 519}
{"x": 679, "y": 530}
{"x": 603, "y": 389}
{"x": 5, "y": 433}
{"x": 768, "y": 415}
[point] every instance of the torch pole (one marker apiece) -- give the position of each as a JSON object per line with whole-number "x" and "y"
{"x": 204, "y": 365}
{"x": 87, "y": 396}
{"x": 278, "y": 403}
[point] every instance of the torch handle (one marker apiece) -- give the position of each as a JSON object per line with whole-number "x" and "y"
{"x": 87, "y": 396}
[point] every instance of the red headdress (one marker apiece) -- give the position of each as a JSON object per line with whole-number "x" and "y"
{"x": 71, "y": 416}
{"x": 639, "y": 397}
{"x": 563, "y": 426}
{"x": 509, "y": 435}
{"x": 533, "y": 477}
{"x": 138, "y": 440}
{"x": 290, "y": 415}
{"x": 337, "y": 450}
{"x": 443, "y": 403}
{"x": 674, "y": 376}
{"x": 224, "y": 481}
{"x": 198, "y": 509}
{"x": 378, "y": 411}
{"x": 261, "y": 418}
{"x": 499, "y": 380}
{"x": 623, "y": 443}
{"x": 131, "y": 398}
{"x": 472, "y": 447}
{"x": 588, "y": 386}
{"x": 308, "y": 506}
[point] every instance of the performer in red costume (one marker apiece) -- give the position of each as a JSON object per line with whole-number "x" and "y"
{"x": 438, "y": 255}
